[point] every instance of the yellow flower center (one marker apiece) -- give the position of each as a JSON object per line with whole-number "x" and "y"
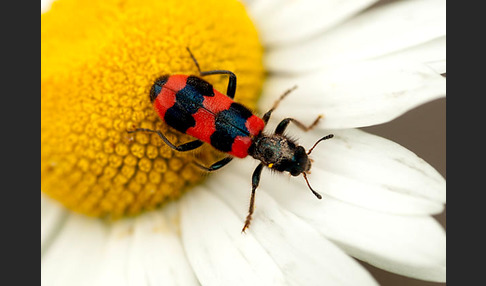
{"x": 99, "y": 60}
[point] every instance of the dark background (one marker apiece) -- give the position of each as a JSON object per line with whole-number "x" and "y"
{"x": 423, "y": 131}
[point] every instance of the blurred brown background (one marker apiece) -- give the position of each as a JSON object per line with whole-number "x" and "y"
{"x": 423, "y": 131}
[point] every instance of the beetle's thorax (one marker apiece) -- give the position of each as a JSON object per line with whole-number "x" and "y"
{"x": 280, "y": 153}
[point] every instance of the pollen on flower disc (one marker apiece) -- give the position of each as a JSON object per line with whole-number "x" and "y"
{"x": 99, "y": 60}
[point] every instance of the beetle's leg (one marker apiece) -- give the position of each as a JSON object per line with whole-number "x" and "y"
{"x": 230, "y": 91}
{"x": 255, "y": 181}
{"x": 284, "y": 123}
{"x": 182, "y": 148}
{"x": 218, "y": 165}
{"x": 267, "y": 115}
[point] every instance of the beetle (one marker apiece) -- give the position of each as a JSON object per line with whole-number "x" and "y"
{"x": 192, "y": 106}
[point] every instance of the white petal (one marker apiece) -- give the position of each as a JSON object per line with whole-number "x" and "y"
{"x": 305, "y": 256}
{"x": 144, "y": 251}
{"x": 157, "y": 256}
{"x": 376, "y": 32}
{"x": 432, "y": 54}
{"x": 438, "y": 66}
{"x": 140, "y": 251}
{"x": 113, "y": 269}
{"x": 409, "y": 245}
{"x": 356, "y": 95}
{"x": 376, "y": 173}
{"x": 413, "y": 246}
{"x": 258, "y": 9}
{"x": 73, "y": 258}
{"x": 53, "y": 216}
{"x": 218, "y": 252}
{"x": 291, "y": 21}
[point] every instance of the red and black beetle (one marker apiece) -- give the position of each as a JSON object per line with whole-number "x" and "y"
{"x": 191, "y": 105}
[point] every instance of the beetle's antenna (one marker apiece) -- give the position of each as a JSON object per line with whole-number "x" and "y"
{"x": 194, "y": 59}
{"x": 314, "y": 192}
{"x": 318, "y": 141}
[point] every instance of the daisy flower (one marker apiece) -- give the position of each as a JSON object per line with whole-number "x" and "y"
{"x": 125, "y": 209}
